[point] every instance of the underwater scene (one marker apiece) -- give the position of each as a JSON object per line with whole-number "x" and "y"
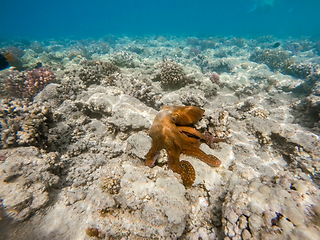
{"x": 189, "y": 120}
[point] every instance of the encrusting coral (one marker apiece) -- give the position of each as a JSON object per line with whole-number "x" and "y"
{"x": 170, "y": 131}
{"x": 28, "y": 84}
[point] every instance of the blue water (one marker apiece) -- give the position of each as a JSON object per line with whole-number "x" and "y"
{"x": 94, "y": 19}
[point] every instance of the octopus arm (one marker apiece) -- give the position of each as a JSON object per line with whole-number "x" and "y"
{"x": 211, "y": 140}
{"x": 209, "y": 159}
{"x": 207, "y": 137}
{"x": 184, "y": 168}
{"x": 190, "y": 173}
{"x": 192, "y": 132}
{"x": 154, "y": 152}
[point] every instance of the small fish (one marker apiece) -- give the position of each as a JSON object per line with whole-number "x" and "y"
{"x": 8, "y": 59}
{"x": 4, "y": 61}
{"x": 39, "y": 65}
{"x": 277, "y": 44}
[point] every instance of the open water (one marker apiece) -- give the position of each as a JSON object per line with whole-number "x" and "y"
{"x": 94, "y": 19}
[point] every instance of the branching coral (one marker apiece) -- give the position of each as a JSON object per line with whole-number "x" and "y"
{"x": 172, "y": 75}
{"x": 218, "y": 65}
{"x": 23, "y": 124}
{"x": 93, "y": 72}
{"x": 273, "y": 58}
{"x": 125, "y": 59}
{"x": 28, "y": 84}
{"x": 140, "y": 89}
{"x": 302, "y": 70}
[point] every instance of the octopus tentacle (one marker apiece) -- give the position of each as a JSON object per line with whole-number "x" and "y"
{"x": 209, "y": 159}
{"x": 210, "y": 140}
{"x": 184, "y": 168}
{"x": 190, "y": 173}
{"x": 151, "y": 158}
{"x": 153, "y": 154}
{"x": 207, "y": 137}
{"x": 192, "y": 132}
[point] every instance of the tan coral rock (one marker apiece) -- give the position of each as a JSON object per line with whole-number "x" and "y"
{"x": 255, "y": 222}
{"x": 286, "y": 225}
{"x": 246, "y": 234}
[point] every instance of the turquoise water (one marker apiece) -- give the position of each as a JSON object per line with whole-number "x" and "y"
{"x": 94, "y": 19}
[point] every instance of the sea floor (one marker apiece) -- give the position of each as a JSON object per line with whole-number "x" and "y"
{"x": 74, "y": 138}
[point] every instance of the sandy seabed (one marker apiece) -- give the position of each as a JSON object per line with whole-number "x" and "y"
{"x": 72, "y": 157}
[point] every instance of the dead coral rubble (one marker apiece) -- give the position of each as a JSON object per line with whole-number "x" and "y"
{"x": 26, "y": 180}
{"x": 272, "y": 212}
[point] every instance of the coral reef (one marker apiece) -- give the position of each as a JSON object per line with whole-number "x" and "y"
{"x": 72, "y": 157}
{"x": 307, "y": 108}
{"x": 301, "y": 70}
{"x": 15, "y": 57}
{"x": 142, "y": 90}
{"x": 211, "y": 43}
{"x": 219, "y": 65}
{"x": 28, "y": 84}
{"x": 310, "y": 83}
{"x": 272, "y": 211}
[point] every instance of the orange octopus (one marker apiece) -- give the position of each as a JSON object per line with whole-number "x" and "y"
{"x": 171, "y": 131}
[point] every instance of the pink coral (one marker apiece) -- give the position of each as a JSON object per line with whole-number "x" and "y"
{"x": 215, "y": 78}
{"x": 28, "y": 84}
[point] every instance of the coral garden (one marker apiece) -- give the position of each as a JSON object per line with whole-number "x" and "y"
{"x": 75, "y": 135}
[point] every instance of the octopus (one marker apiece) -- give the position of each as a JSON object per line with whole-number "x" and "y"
{"x": 172, "y": 131}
